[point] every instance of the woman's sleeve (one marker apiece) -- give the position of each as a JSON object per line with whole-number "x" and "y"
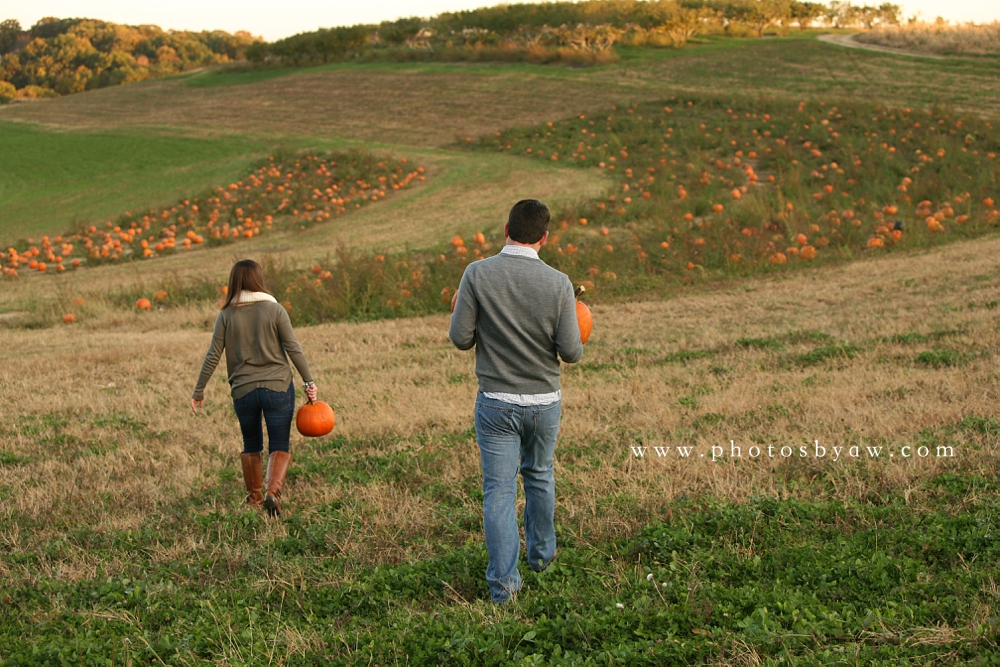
{"x": 211, "y": 358}
{"x": 292, "y": 347}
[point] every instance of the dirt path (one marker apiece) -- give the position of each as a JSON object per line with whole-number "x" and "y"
{"x": 851, "y": 43}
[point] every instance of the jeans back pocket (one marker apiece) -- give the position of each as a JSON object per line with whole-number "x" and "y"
{"x": 494, "y": 420}
{"x": 278, "y": 400}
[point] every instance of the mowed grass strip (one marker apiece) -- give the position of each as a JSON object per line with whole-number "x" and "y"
{"x": 50, "y": 179}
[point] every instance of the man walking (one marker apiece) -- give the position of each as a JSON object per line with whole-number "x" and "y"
{"x": 521, "y": 316}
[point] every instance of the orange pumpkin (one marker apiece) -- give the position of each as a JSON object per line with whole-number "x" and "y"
{"x": 143, "y": 304}
{"x": 454, "y": 300}
{"x": 69, "y": 318}
{"x": 584, "y": 318}
{"x": 315, "y": 419}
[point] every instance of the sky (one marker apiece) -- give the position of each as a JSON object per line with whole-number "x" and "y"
{"x": 274, "y": 20}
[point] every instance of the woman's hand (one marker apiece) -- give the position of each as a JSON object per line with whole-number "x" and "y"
{"x": 311, "y": 393}
{"x": 195, "y": 404}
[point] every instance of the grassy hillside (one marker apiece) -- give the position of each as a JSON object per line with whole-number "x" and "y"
{"x": 432, "y": 105}
{"x": 50, "y": 180}
{"x": 123, "y": 534}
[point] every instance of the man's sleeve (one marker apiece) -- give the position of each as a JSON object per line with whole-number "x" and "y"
{"x": 462, "y": 331}
{"x": 568, "y": 343}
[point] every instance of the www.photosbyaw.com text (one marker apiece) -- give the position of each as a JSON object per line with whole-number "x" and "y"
{"x": 815, "y": 450}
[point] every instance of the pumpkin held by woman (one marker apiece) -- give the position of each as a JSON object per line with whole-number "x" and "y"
{"x": 315, "y": 419}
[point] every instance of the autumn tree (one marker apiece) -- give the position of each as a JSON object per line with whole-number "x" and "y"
{"x": 10, "y": 30}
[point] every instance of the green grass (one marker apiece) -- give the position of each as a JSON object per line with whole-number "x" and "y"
{"x": 50, "y": 179}
{"x": 684, "y": 356}
{"x": 795, "y": 582}
{"x": 236, "y": 76}
{"x": 822, "y": 354}
{"x": 941, "y": 358}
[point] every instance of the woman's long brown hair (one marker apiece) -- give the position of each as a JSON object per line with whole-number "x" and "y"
{"x": 245, "y": 276}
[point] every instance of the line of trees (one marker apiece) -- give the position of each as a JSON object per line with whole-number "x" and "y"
{"x": 593, "y": 25}
{"x": 62, "y": 56}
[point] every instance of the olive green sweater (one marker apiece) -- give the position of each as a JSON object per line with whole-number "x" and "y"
{"x": 256, "y": 338}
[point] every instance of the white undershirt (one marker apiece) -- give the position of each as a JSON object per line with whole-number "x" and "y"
{"x": 524, "y": 400}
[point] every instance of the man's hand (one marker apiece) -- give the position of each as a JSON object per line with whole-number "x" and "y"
{"x": 311, "y": 393}
{"x": 195, "y": 404}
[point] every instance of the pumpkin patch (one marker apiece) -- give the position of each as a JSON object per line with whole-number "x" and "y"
{"x": 804, "y": 182}
{"x": 696, "y": 188}
{"x": 284, "y": 192}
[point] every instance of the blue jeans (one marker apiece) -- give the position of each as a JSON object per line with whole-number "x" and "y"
{"x": 512, "y": 437}
{"x": 277, "y": 409}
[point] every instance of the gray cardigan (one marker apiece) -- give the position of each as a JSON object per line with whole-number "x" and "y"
{"x": 520, "y": 314}
{"x": 256, "y": 338}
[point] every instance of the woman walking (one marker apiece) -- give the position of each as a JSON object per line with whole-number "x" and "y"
{"x": 254, "y": 331}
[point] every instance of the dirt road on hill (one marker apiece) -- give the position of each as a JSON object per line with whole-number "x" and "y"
{"x": 850, "y": 42}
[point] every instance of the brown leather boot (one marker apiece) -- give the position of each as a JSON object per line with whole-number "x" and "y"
{"x": 277, "y": 468}
{"x": 253, "y": 477}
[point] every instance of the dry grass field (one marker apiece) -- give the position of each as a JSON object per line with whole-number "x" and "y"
{"x": 102, "y": 451}
{"x": 657, "y": 373}
{"x": 941, "y": 39}
{"x": 121, "y": 523}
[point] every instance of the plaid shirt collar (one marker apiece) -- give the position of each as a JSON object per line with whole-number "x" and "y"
{"x": 519, "y": 250}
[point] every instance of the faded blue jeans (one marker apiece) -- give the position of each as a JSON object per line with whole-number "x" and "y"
{"x": 512, "y": 437}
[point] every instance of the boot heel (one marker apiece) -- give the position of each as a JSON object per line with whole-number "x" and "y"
{"x": 277, "y": 468}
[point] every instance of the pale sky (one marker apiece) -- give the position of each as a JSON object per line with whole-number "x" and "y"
{"x": 279, "y": 19}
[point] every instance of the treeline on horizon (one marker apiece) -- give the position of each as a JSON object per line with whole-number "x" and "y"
{"x": 572, "y": 32}
{"x": 62, "y": 56}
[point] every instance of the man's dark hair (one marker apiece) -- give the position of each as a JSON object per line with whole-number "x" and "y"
{"x": 528, "y": 221}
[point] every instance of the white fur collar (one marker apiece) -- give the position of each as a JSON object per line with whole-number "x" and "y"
{"x": 253, "y": 297}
